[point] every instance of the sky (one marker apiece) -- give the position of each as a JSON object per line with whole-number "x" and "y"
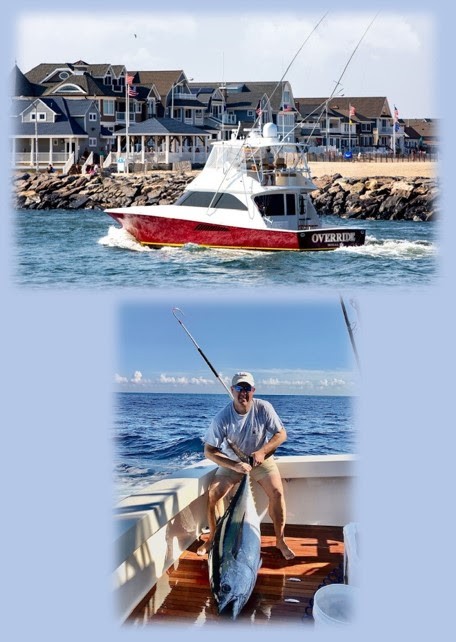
{"x": 370, "y": 54}
{"x": 290, "y": 348}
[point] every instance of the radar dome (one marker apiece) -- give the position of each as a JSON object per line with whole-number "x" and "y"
{"x": 269, "y": 130}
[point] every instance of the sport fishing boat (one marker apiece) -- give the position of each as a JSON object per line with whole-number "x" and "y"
{"x": 253, "y": 193}
{"x": 159, "y": 578}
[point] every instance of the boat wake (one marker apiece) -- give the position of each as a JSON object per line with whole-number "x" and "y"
{"x": 393, "y": 248}
{"x": 118, "y": 237}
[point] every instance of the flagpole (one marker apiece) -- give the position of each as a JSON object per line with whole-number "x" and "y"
{"x": 127, "y": 121}
{"x": 394, "y": 130}
{"x": 349, "y": 126}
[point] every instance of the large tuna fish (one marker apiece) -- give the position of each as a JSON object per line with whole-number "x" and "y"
{"x": 234, "y": 557}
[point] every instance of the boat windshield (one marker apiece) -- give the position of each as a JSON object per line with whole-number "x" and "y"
{"x": 226, "y": 158}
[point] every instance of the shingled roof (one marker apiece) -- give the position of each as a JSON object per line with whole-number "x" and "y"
{"x": 424, "y": 128}
{"x": 366, "y": 108}
{"x": 87, "y": 84}
{"x": 161, "y": 127}
{"x": 20, "y": 84}
{"x": 162, "y": 80}
{"x": 64, "y": 125}
{"x": 248, "y": 95}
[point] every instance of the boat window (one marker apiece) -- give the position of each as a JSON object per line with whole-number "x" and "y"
{"x": 211, "y": 199}
{"x": 271, "y": 204}
{"x": 291, "y": 204}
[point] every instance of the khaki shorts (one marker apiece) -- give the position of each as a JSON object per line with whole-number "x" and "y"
{"x": 266, "y": 469}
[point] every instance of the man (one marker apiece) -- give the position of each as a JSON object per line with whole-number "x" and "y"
{"x": 253, "y": 427}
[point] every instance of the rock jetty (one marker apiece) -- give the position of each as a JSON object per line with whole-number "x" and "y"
{"x": 382, "y": 197}
{"x": 54, "y": 191}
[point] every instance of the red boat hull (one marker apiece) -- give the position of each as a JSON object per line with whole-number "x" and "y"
{"x": 159, "y": 231}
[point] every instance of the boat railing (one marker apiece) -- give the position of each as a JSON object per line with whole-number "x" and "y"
{"x": 285, "y": 166}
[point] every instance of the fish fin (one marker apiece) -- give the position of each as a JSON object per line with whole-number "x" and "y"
{"x": 238, "y": 539}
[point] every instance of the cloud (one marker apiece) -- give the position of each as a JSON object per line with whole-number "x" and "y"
{"x": 277, "y": 381}
{"x": 185, "y": 381}
{"x": 405, "y": 39}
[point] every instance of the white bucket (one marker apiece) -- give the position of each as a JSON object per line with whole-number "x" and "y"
{"x": 334, "y": 605}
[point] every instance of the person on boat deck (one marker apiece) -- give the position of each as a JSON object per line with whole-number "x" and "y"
{"x": 269, "y": 167}
{"x": 254, "y": 428}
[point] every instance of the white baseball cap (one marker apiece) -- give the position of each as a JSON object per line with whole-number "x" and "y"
{"x": 243, "y": 377}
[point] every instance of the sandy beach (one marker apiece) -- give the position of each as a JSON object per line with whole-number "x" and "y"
{"x": 355, "y": 169}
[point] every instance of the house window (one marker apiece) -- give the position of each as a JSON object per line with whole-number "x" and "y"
{"x": 92, "y": 116}
{"x": 69, "y": 89}
{"x": 63, "y": 75}
{"x": 198, "y": 113}
{"x": 107, "y": 80}
{"x": 92, "y": 142}
{"x": 109, "y": 107}
{"x": 250, "y": 113}
{"x": 188, "y": 114}
{"x": 40, "y": 116}
{"x": 117, "y": 85}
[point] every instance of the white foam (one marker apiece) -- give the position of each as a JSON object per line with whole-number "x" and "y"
{"x": 393, "y": 248}
{"x": 118, "y": 237}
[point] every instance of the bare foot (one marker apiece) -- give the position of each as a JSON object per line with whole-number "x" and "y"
{"x": 285, "y": 550}
{"x": 204, "y": 548}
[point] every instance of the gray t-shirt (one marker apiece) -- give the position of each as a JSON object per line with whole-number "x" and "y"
{"x": 249, "y": 432}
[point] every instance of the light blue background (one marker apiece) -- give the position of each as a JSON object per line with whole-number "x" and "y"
{"x": 58, "y": 352}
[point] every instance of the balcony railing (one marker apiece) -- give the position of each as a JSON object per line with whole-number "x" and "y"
{"x": 27, "y": 159}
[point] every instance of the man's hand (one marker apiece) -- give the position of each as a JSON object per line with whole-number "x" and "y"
{"x": 241, "y": 467}
{"x": 258, "y": 457}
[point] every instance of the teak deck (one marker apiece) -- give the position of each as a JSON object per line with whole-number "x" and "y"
{"x": 283, "y": 591}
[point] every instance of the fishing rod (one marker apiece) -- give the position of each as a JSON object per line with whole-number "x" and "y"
{"x": 268, "y": 102}
{"x": 338, "y": 82}
{"x": 350, "y": 331}
{"x": 181, "y": 323}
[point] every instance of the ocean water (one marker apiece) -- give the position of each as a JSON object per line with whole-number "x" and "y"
{"x": 87, "y": 249}
{"x": 156, "y": 434}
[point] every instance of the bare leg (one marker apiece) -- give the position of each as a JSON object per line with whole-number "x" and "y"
{"x": 272, "y": 485}
{"x": 220, "y": 487}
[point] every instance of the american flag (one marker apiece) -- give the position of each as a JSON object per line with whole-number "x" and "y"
{"x": 129, "y": 79}
{"x": 132, "y": 91}
{"x": 351, "y": 111}
{"x": 396, "y": 119}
